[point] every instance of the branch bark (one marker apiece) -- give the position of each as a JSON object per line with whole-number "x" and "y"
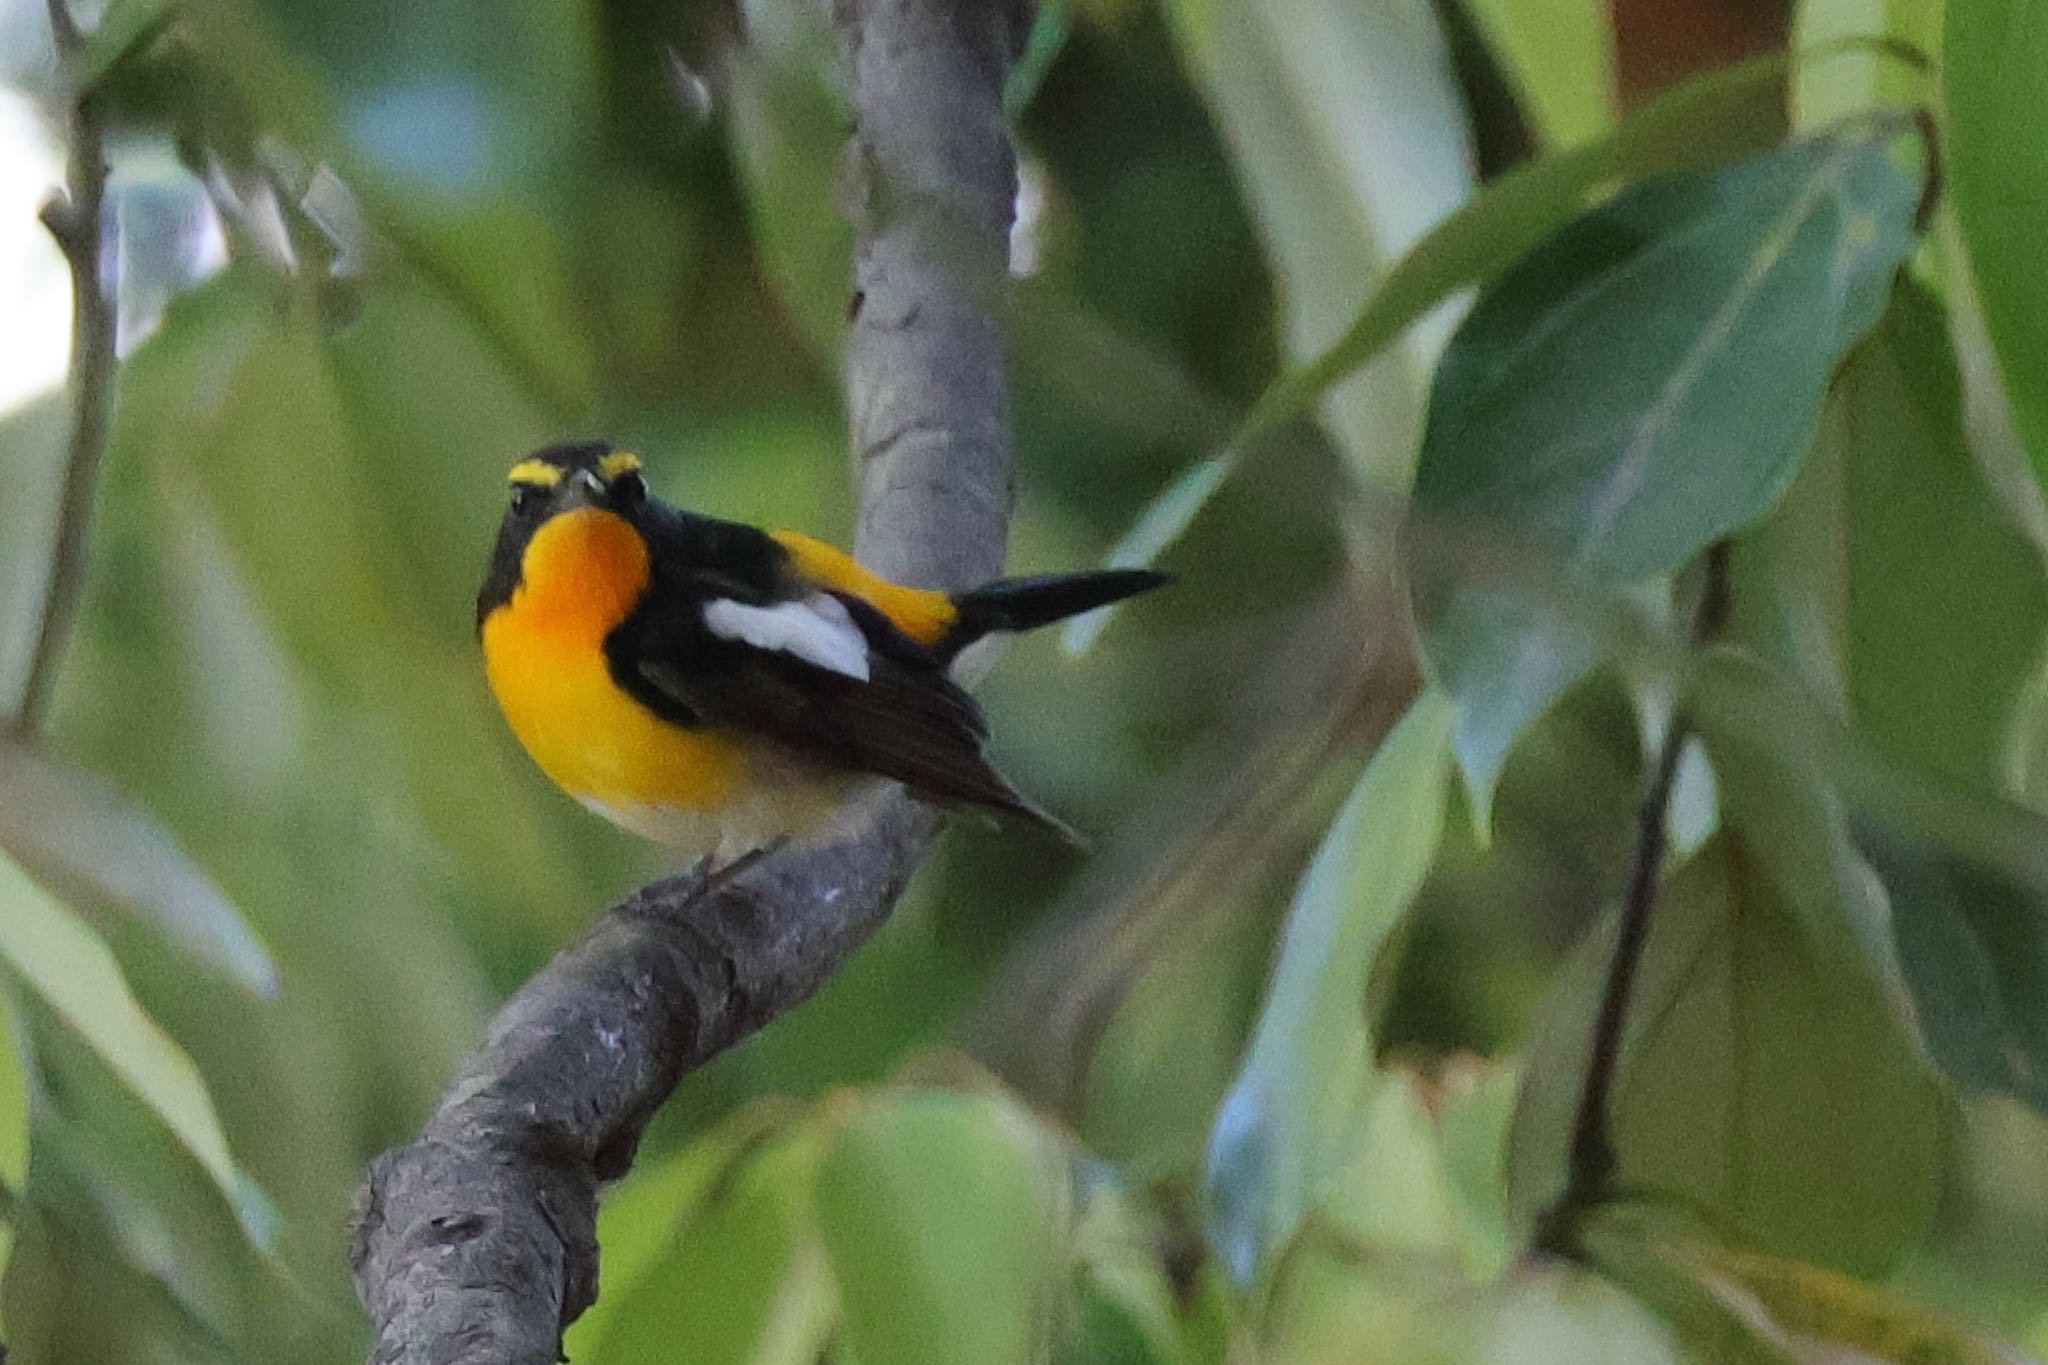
{"x": 477, "y": 1242}
{"x": 74, "y": 220}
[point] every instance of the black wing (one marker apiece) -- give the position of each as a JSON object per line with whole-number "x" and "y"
{"x": 907, "y": 721}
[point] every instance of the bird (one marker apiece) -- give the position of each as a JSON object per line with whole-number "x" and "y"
{"x": 720, "y": 688}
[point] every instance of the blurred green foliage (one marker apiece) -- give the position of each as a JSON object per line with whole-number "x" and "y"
{"x": 1283, "y": 1072}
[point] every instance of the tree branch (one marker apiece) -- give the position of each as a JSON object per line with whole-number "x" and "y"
{"x": 1591, "y": 1162}
{"x": 73, "y": 219}
{"x": 476, "y": 1244}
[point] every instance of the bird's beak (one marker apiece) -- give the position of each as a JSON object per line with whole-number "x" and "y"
{"x": 582, "y": 489}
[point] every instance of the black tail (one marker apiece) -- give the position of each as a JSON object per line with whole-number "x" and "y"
{"x": 1013, "y": 604}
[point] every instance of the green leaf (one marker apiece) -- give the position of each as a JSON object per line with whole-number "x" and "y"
{"x": 1994, "y": 67}
{"x": 1789, "y": 574}
{"x": 1505, "y": 654}
{"x": 1874, "y": 45}
{"x": 1737, "y": 1304}
{"x": 1050, "y": 24}
{"x": 788, "y": 135}
{"x": 741, "y": 1280}
{"x": 1557, "y": 1313}
{"x": 1124, "y": 1312}
{"x": 32, "y": 443}
{"x": 14, "y": 1130}
{"x": 1987, "y": 406}
{"x": 646, "y": 1220}
{"x": 1641, "y": 385}
{"x": 1178, "y": 1015}
{"x": 56, "y": 955}
{"x": 1290, "y": 1118}
{"x": 1109, "y": 1326}
{"x": 349, "y": 596}
{"x": 1560, "y": 56}
{"x": 1891, "y": 581}
{"x": 1161, "y": 524}
{"x": 510, "y": 271}
{"x": 125, "y": 29}
{"x": 478, "y": 213}
{"x": 1334, "y": 1306}
{"x": 1348, "y": 131}
{"x": 1647, "y": 381}
{"x": 1947, "y": 605}
{"x": 943, "y": 1219}
{"x": 1738, "y": 1022}
{"x": 1973, "y": 944}
{"x": 77, "y": 834}
{"x": 1735, "y": 694}
{"x": 490, "y": 203}
{"x": 1808, "y": 1315}
{"x": 1473, "y": 1106}
{"x": 1394, "y": 1192}
{"x": 1427, "y": 1173}
{"x": 1967, "y": 877}
{"x": 14, "y": 1102}
{"x": 1796, "y": 827}
{"x": 1708, "y": 119}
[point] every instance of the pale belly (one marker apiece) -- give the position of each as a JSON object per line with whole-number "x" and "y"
{"x": 812, "y": 810}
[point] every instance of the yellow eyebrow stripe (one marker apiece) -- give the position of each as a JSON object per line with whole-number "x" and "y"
{"x": 617, "y": 463}
{"x": 539, "y": 473}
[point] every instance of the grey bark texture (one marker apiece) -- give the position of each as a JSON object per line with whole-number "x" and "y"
{"x": 476, "y": 1244}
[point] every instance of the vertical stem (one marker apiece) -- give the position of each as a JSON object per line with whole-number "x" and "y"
{"x": 1592, "y": 1150}
{"x": 75, "y": 222}
{"x": 932, "y": 187}
{"x": 1591, "y": 1162}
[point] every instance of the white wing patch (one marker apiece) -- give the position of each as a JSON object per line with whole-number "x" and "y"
{"x": 817, "y": 629}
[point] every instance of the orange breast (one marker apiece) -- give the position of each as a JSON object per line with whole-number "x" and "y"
{"x": 544, "y": 657}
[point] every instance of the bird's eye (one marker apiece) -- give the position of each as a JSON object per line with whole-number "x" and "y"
{"x": 627, "y": 489}
{"x": 525, "y": 499}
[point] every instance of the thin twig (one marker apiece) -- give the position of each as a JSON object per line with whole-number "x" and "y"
{"x": 74, "y": 220}
{"x": 1592, "y": 1163}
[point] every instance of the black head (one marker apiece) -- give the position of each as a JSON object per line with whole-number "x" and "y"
{"x": 552, "y": 480}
